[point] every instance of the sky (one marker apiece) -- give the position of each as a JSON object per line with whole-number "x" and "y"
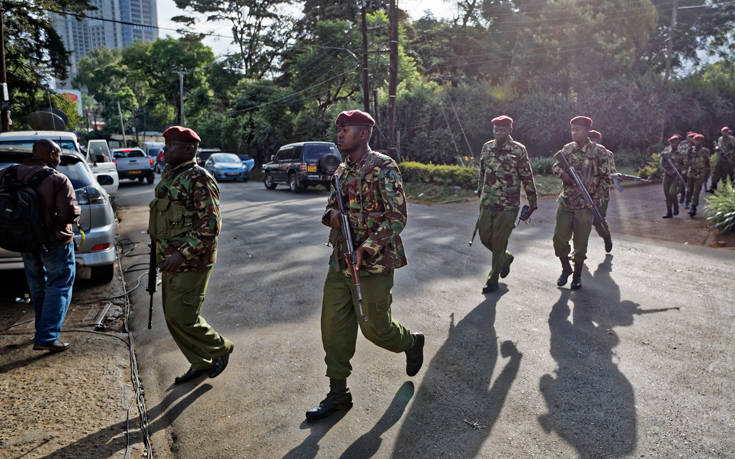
{"x": 167, "y": 9}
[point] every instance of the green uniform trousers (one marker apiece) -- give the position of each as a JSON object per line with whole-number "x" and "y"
{"x": 495, "y": 227}
{"x": 575, "y": 225}
{"x": 671, "y": 189}
{"x": 694, "y": 189}
{"x": 603, "y": 211}
{"x": 341, "y": 315}
{"x": 183, "y": 294}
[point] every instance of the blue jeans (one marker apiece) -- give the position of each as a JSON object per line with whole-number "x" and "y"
{"x": 50, "y": 275}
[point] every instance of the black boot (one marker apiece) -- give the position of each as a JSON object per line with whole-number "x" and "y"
{"x": 566, "y": 271}
{"x": 339, "y": 398}
{"x": 692, "y": 211}
{"x": 668, "y": 212}
{"x": 676, "y": 208}
{"x": 577, "y": 276}
{"x": 608, "y": 244}
{"x": 415, "y": 355}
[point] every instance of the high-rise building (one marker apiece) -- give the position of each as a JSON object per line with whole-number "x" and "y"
{"x": 80, "y": 37}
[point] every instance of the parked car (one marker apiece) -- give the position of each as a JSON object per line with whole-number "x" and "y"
{"x": 95, "y": 244}
{"x": 300, "y": 165}
{"x": 226, "y": 166}
{"x": 100, "y": 161}
{"x": 133, "y": 164}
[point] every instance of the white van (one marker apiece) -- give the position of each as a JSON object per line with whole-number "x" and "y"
{"x": 101, "y": 162}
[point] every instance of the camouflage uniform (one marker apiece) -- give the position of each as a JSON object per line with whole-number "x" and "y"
{"x": 685, "y": 153}
{"x": 573, "y": 218}
{"x": 605, "y": 192}
{"x": 374, "y": 200}
{"x": 724, "y": 166}
{"x": 698, "y": 173}
{"x": 671, "y": 182}
{"x": 185, "y": 217}
{"x": 502, "y": 172}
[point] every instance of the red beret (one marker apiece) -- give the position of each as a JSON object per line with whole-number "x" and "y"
{"x": 581, "y": 121}
{"x": 691, "y": 134}
{"x": 502, "y": 120}
{"x": 596, "y": 136}
{"x": 181, "y": 134}
{"x": 674, "y": 137}
{"x": 698, "y": 137}
{"x": 725, "y": 129}
{"x": 354, "y": 118}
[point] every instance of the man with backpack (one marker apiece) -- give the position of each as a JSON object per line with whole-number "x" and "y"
{"x": 31, "y": 191}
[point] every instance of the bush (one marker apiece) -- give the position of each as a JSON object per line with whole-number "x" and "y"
{"x": 652, "y": 169}
{"x": 721, "y": 208}
{"x": 463, "y": 177}
{"x": 542, "y": 166}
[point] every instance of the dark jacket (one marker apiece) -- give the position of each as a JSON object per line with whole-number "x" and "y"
{"x": 58, "y": 200}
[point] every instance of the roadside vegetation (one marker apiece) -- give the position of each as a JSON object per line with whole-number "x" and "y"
{"x": 721, "y": 208}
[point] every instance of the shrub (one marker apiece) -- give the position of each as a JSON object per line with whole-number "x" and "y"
{"x": 463, "y": 177}
{"x": 651, "y": 170}
{"x": 721, "y": 208}
{"x": 542, "y": 166}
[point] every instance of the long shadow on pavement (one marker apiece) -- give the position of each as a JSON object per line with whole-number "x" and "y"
{"x": 456, "y": 405}
{"x": 591, "y": 404}
{"x": 111, "y": 440}
{"x": 310, "y": 446}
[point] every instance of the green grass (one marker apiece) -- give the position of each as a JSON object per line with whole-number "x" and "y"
{"x": 428, "y": 193}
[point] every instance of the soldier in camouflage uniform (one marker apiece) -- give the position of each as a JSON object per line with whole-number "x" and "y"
{"x": 376, "y": 204}
{"x": 698, "y": 172}
{"x": 686, "y": 147}
{"x": 504, "y": 167}
{"x": 671, "y": 182}
{"x": 185, "y": 222}
{"x": 725, "y": 161}
{"x": 574, "y": 218}
{"x": 596, "y": 137}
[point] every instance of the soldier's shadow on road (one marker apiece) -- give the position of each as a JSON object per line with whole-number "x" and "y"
{"x": 458, "y": 402}
{"x": 590, "y": 402}
{"x": 112, "y": 439}
{"x": 310, "y": 446}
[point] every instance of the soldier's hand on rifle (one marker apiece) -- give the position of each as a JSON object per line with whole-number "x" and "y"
{"x": 566, "y": 178}
{"x": 172, "y": 262}
{"x": 334, "y": 221}
{"x": 359, "y": 253}
{"x": 527, "y": 214}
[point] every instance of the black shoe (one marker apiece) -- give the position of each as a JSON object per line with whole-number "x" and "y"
{"x": 506, "y": 269}
{"x": 54, "y": 346}
{"x": 220, "y": 364}
{"x": 577, "y": 276}
{"x": 668, "y": 215}
{"x": 339, "y": 398}
{"x": 676, "y": 208}
{"x": 190, "y": 374}
{"x": 489, "y": 287}
{"x": 415, "y": 355}
{"x": 608, "y": 244}
{"x": 693, "y": 211}
{"x": 566, "y": 271}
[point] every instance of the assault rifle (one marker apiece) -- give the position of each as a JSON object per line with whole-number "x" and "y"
{"x": 599, "y": 219}
{"x": 152, "y": 279}
{"x": 350, "y": 256}
{"x": 617, "y": 178}
{"x": 474, "y": 233}
{"x": 671, "y": 165}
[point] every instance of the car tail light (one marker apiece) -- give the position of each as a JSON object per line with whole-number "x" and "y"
{"x": 98, "y": 247}
{"x": 115, "y": 163}
{"x": 89, "y": 195}
{"x": 303, "y": 167}
{"x": 150, "y": 161}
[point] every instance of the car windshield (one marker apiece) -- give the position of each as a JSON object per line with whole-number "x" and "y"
{"x": 226, "y": 158}
{"x": 70, "y": 166}
{"x": 128, "y": 154}
{"x": 314, "y": 151}
{"x": 153, "y": 151}
{"x": 64, "y": 144}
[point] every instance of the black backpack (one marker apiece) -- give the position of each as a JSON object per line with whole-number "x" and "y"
{"x": 22, "y": 226}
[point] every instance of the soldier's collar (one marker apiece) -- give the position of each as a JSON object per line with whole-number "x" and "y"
{"x": 183, "y": 165}
{"x": 507, "y": 146}
{"x": 360, "y": 162}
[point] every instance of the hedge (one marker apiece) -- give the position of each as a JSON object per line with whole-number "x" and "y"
{"x": 463, "y": 177}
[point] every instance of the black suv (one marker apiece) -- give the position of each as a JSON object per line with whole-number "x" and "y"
{"x": 301, "y": 165}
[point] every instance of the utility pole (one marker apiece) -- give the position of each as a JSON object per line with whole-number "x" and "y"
{"x": 669, "y": 56}
{"x": 181, "y": 94}
{"x": 365, "y": 87}
{"x": 5, "y": 109}
{"x": 122, "y": 126}
{"x": 393, "y": 78}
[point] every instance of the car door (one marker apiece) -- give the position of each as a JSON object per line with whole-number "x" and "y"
{"x": 283, "y": 159}
{"x": 100, "y": 162}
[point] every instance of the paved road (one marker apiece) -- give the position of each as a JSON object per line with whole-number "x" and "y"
{"x": 639, "y": 362}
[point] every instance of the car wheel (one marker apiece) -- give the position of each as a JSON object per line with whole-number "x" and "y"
{"x": 150, "y": 178}
{"x": 103, "y": 274}
{"x": 140, "y": 179}
{"x": 293, "y": 183}
{"x": 268, "y": 182}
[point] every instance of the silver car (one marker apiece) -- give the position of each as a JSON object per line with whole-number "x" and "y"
{"x": 94, "y": 236}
